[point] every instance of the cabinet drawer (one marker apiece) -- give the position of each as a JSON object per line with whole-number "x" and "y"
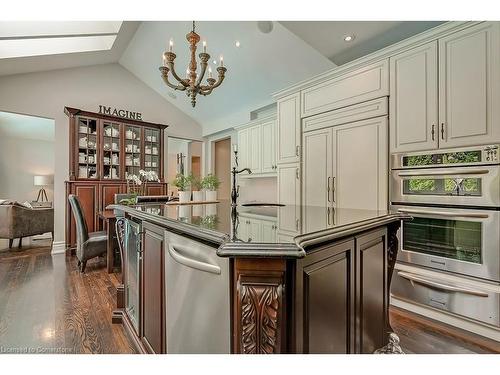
{"x": 356, "y": 112}
{"x": 364, "y": 84}
{"x": 460, "y": 298}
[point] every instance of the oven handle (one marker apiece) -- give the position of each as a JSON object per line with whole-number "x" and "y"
{"x": 448, "y": 172}
{"x": 192, "y": 263}
{"x": 450, "y": 288}
{"x": 444, "y": 213}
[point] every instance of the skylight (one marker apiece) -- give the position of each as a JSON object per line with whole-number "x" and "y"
{"x": 22, "y": 39}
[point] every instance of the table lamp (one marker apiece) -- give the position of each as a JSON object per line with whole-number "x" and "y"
{"x": 42, "y": 181}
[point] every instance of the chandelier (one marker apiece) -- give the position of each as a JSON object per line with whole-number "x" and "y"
{"x": 193, "y": 83}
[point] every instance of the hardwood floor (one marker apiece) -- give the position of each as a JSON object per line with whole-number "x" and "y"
{"x": 47, "y": 306}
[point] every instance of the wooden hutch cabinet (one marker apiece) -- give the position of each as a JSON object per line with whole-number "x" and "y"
{"x": 103, "y": 151}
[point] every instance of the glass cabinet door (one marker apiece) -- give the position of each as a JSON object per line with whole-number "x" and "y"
{"x": 132, "y": 150}
{"x": 152, "y": 150}
{"x": 111, "y": 150}
{"x": 132, "y": 282}
{"x": 87, "y": 148}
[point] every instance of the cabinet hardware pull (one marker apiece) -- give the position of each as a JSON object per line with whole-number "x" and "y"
{"x": 297, "y": 224}
{"x": 192, "y": 263}
{"x": 328, "y": 215}
{"x": 442, "y": 131}
{"x": 297, "y": 150}
{"x": 328, "y": 189}
{"x": 432, "y": 132}
{"x": 452, "y": 288}
{"x": 333, "y": 189}
{"x": 297, "y": 173}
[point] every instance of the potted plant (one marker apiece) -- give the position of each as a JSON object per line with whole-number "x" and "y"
{"x": 182, "y": 183}
{"x": 198, "y": 194}
{"x": 210, "y": 183}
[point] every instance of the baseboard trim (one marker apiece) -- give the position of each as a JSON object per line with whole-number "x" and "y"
{"x": 58, "y": 247}
{"x": 453, "y": 320}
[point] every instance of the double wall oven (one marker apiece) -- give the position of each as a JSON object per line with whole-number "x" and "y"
{"x": 454, "y": 198}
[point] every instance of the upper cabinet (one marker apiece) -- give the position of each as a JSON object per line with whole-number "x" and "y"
{"x": 469, "y": 86}
{"x": 445, "y": 93}
{"x": 414, "y": 99}
{"x": 289, "y": 129}
{"x": 356, "y": 86}
{"x": 257, "y": 148}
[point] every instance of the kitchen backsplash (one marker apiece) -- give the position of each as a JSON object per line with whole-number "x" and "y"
{"x": 263, "y": 189}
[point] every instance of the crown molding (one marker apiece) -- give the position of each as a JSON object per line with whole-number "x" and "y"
{"x": 411, "y": 42}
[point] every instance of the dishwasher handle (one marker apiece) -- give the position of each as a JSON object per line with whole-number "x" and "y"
{"x": 192, "y": 263}
{"x": 438, "y": 285}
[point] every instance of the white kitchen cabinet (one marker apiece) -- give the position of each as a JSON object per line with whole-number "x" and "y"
{"x": 414, "y": 99}
{"x": 256, "y": 229}
{"x": 289, "y": 217}
{"x": 469, "y": 86}
{"x": 355, "y": 86}
{"x": 445, "y": 93}
{"x": 360, "y": 165}
{"x": 289, "y": 132}
{"x": 243, "y": 148}
{"x": 317, "y": 176}
{"x": 268, "y": 147}
{"x": 254, "y": 149}
{"x": 257, "y": 148}
{"x": 268, "y": 229}
{"x": 345, "y": 166}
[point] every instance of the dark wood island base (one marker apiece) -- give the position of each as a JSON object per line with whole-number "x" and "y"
{"x": 328, "y": 292}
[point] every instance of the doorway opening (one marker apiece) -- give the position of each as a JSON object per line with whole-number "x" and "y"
{"x": 222, "y": 166}
{"x": 27, "y": 167}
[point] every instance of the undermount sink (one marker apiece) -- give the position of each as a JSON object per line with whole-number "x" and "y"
{"x": 263, "y": 205}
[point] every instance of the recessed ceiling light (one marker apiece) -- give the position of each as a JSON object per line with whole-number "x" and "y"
{"x": 349, "y": 38}
{"x": 237, "y": 44}
{"x": 172, "y": 95}
{"x": 215, "y": 62}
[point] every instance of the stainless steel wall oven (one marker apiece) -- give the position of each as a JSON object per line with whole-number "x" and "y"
{"x": 454, "y": 198}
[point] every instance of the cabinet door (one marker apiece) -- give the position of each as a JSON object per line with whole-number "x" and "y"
{"x": 255, "y": 149}
{"x": 243, "y": 151}
{"x": 289, "y": 129}
{"x": 317, "y": 177}
{"x": 268, "y": 147}
{"x": 289, "y": 195}
{"x": 153, "y": 317}
{"x": 325, "y": 282}
{"x": 469, "y": 86}
{"x": 371, "y": 281}
{"x": 413, "y": 99}
{"x": 268, "y": 229}
{"x": 360, "y": 165}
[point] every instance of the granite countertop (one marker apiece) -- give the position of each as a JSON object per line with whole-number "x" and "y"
{"x": 222, "y": 226}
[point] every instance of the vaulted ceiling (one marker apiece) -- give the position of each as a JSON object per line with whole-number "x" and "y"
{"x": 270, "y": 56}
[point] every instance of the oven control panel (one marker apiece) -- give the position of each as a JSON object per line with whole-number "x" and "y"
{"x": 491, "y": 153}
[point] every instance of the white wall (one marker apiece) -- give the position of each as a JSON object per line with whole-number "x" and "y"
{"x": 20, "y": 160}
{"x": 47, "y": 93}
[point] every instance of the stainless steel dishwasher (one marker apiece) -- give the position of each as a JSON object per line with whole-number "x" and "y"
{"x": 197, "y": 297}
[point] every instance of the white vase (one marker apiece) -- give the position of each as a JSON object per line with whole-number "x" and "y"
{"x": 211, "y": 195}
{"x": 184, "y": 196}
{"x": 198, "y": 196}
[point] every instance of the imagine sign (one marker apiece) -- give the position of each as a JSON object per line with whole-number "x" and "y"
{"x": 120, "y": 113}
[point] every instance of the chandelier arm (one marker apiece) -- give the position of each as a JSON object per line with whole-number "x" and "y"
{"x": 219, "y": 81}
{"x": 171, "y": 85}
{"x": 202, "y": 72}
{"x": 174, "y": 74}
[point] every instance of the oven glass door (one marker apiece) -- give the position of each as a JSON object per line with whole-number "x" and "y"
{"x": 456, "y": 240}
{"x": 469, "y": 186}
{"x": 448, "y": 238}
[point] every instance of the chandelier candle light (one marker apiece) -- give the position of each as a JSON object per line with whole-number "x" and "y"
{"x": 193, "y": 83}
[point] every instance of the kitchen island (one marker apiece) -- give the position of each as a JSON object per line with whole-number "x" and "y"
{"x": 217, "y": 279}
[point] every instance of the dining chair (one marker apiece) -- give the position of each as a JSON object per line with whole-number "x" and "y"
{"x": 88, "y": 245}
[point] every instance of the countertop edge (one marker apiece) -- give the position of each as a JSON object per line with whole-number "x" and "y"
{"x": 295, "y": 250}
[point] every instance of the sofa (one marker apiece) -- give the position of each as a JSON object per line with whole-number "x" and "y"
{"x": 18, "y": 221}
